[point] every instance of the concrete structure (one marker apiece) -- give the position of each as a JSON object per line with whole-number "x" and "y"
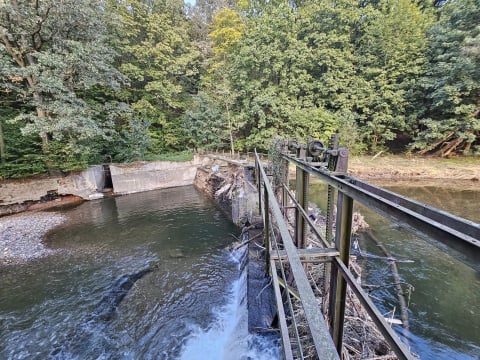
{"x": 83, "y": 184}
{"x": 19, "y": 195}
{"x": 230, "y": 186}
{"x": 145, "y": 176}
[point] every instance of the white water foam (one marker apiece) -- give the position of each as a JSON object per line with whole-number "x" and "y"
{"x": 228, "y": 337}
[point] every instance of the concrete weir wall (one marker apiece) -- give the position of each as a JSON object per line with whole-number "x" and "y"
{"x": 145, "y": 176}
{"x": 20, "y": 195}
{"x": 82, "y": 184}
{"x": 230, "y": 187}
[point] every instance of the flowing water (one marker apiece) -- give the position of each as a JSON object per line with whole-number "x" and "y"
{"x": 444, "y": 296}
{"x": 191, "y": 305}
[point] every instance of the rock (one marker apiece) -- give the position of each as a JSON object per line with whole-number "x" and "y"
{"x": 21, "y": 236}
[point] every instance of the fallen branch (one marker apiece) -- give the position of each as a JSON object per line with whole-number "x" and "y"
{"x": 238, "y": 246}
{"x": 397, "y": 280}
{"x": 436, "y": 144}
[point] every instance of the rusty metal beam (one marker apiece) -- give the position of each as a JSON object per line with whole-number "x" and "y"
{"x": 338, "y": 285}
{"x": 266, "y": 224}
{"x": 282, "y": 321}
{"x": 305, "y": 217}
{"x": 309, "y": 255}
{"x": 302, "y": 199}
{"x": 398, "y": 347}
{"x": 457, "y": 233}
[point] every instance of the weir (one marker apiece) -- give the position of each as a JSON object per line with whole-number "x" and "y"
{"x": 287, "y": 260}
{"x": 319, "y": 326}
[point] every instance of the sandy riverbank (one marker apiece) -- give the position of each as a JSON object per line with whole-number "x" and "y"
{"x": 414, "y": 168}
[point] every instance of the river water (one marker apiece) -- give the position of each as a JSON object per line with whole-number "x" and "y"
{"x": 191, "y": 306}
{"x": 444, "y": 296}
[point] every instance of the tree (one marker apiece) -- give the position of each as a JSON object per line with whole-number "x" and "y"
{"x": 204, "y": 123}
{"x": 227, "y": 31}
{"x": 273, "y": 73}
{"x": 390, "y": 57}
{"x": 201, "y": 17}
{"x": 159, "y": 57}
{"x": 52, "y": 54}
{"x": 451, "y": 87}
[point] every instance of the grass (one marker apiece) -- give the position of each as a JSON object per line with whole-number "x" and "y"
{"x": 176, "y": 156}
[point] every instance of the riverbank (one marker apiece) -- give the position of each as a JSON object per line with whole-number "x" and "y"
{"x": 21, "y": 236}
{"x": 396, "y": 167}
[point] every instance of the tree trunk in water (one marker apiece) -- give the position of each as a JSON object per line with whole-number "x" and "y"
{"x": 397, "y": 281}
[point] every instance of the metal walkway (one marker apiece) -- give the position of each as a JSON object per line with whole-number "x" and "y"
{"x": 287, "y": 257}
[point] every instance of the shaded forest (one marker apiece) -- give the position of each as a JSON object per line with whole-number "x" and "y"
{"x": 93, "y": 81}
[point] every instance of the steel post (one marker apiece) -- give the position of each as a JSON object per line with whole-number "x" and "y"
{"x": 266, "y": 227}
{"x": 302, "y": 180}
{"x": 259, "y": 184}
{"x": 285, "y": 183}
{"x": 338, "y": 285}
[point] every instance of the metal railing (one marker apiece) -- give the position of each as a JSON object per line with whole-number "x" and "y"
{"x": 286, "y": 256}
{"x": 281, "y": 249}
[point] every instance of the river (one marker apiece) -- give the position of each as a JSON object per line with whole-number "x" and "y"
{"x": 190, "y": 306}
{"x": 444, "y": 296}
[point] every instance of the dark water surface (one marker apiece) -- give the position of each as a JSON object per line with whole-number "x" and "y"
{"x": 190, "y": 306}
{"x": 444, "y": 302}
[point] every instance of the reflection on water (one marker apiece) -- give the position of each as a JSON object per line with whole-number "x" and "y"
{"x": 46, "y": 306}
{"x": 444, "y": 307}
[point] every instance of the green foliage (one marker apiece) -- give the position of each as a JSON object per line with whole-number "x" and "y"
{"x": 390, "y": 56}
{"x": 23, "y": 154}
{"x": 158, "y": 55}
{"x": 204, "y": 123}
{"x": 274, "y": 72}
{"x": 451, "y": 86}
{"x": 52, "y": 54}
{"x": 85, "y": 82}
{"x": 186, "y": 155}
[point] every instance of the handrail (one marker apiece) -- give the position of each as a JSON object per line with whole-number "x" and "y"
{"x": 317, "y": 325}
{"x": 321, "y": 337}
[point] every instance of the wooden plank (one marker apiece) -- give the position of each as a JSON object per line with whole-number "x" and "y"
{"x": 309, "y": 255}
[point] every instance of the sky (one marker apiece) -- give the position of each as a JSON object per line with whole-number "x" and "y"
{"x": 191, "y": 2}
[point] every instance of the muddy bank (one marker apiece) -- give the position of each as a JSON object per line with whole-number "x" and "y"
{"x": 414, "y": 168}
{"x": 21, "y": 236}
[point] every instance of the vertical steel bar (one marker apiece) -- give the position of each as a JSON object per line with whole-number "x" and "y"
{"x": 259, "y": 184}
{"x": 285, "y": 184}
{"x": 302, "y": 179}
{"x": 266, "y": 226}
{"x": 338, "y": 285}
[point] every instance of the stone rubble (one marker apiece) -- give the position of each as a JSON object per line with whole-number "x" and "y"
{"x": 21, "y": 236}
